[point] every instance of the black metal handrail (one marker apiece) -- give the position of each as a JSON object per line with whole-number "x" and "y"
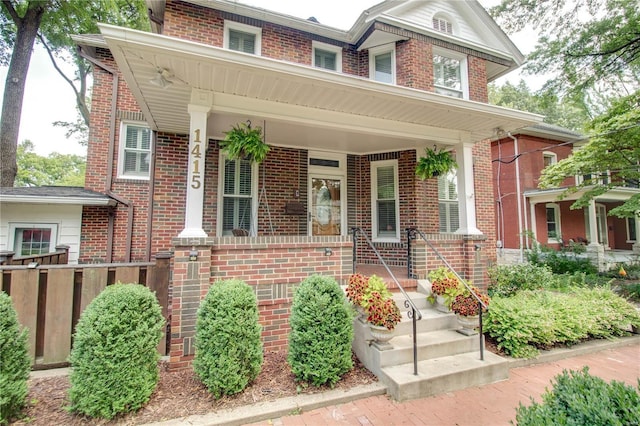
{"x": 414, "y": 313}
{"x": 411, "y": 235}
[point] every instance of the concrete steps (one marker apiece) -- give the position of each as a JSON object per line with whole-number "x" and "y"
{"x": 447, "y": 360}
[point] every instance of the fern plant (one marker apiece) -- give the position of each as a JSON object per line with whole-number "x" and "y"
{"x": 243, "y": 141}
{"x": 435, "y": 163}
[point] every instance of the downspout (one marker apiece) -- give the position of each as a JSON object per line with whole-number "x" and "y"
{"x": 110, "y": 156}
{"x": 152, "y": 186}
{"x": 518, "y": 195}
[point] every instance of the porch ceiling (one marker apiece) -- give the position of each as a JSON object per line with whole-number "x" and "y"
{"x": 299, "y": 106}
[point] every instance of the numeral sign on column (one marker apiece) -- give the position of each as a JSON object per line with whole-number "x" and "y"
{"x": 196, "y": 153}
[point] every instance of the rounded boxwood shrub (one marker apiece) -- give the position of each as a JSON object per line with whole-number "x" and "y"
{"x": 321, "y": 332}
{"x": 114, "y": 358}
{"x": 228, "y": 346}
{"x": 15, "y": 363}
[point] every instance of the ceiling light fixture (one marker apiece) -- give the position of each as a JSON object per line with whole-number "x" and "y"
{"x": 161, "y": 79}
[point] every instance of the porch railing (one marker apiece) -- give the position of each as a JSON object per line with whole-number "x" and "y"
{"x": 412, "y": 234}
{"x": 413, "y": 312}
{"x": 59, "y": 257}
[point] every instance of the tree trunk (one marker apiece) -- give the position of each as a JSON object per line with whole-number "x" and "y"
{"x": 27, "y": 29}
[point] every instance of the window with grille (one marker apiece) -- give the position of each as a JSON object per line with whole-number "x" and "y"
{"x": 553, "y": 222}
{"x": 238, "y": 196}
{"x": 440, "y": 24}
{"x": 135, "y": 151}
{"x": 242, "y": 37}
{"x": 33, "y": 239}
{"x": 382, "y": 64}
{"x": 449, "y": 218}
{"x": 384, "y": 197}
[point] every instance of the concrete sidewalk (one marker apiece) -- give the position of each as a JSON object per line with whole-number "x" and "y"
{"x": 493, "y": 404}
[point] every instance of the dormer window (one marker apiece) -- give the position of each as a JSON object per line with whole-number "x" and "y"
{"x": 440, "y": 24}
{"x": 242, "y": 37}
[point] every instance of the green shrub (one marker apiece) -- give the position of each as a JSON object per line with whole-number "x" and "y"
{"x": 578, "y": 398}
{"x": 507, "y": 280}
{"x": 114, "y": 358}
{"x": 228, "y": 346}
{"x": 528, "y": 321}
{"x": 321, "y": 332}
{"x": 565, "y": 261}
{"x": 15, "y": 363}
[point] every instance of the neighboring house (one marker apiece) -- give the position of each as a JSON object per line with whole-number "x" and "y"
{"x": 346, "y": 113}
{"x": 34, "y": 221}
{"x": 522, "y": 208}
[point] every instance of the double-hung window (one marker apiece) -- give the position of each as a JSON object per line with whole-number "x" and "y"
{"x": 553, "y": 223}
{"x": 385, "y": 200}
{"x": 382, "y": 63}
{"x": 327, "y": 56}
{"x": 449, "y": 218}
{"x": 450, "y": 75}
{"x": 135, "y": 151}
{"x": 632, "y": 231}
{"x": 242, "y": 37}
{"x": 238, "y": 178}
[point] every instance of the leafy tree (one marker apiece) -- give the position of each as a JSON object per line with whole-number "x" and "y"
{"x": 54, "y": 169}
{"x": 591, "y": 46}
{"x": 565, "y": 112}
{"x": 52, "y": 23}
{"x": 615, "y": 147}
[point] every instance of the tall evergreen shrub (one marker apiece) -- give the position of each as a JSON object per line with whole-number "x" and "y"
{"x": 228, "y": 346}
{"x": 321, "y": 332}
{"x": 15, "y": 363}
{"x": 114, "y": 358}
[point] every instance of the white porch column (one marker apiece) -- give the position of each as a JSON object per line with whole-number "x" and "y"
{"x": 636, "y": 245}
{"x": 593, "y": 224}
{"x": 466, "y": 190}
{"x": 199, "y": 113}
{"x": 534, "y": 224}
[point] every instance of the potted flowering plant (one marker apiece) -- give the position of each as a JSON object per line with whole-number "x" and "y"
{"x": 355, "y": 289}
{"x": 382, "y": 311}
{"x": 464, "y": 304}
{"x": 444, "y": 287}
{"x": 374, "y": 284}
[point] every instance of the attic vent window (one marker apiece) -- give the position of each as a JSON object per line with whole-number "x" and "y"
{"x": 443, "y": 25}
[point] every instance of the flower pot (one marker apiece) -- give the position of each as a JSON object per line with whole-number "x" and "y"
{"x": 361, "y": 314}
{"x": 468, "y": 324}
{"x": 441, "y": 306}
{"x": 380, "y": 334}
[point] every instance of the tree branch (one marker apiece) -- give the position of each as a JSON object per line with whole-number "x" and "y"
{"x": 12, "y": 12}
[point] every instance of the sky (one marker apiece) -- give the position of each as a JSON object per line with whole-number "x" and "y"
{"x": 49, "y": 98}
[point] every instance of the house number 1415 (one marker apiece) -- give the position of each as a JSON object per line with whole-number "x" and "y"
{"x": 195, "y": 161}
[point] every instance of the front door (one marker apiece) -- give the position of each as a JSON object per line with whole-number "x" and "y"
{"x": 325, "y": 214}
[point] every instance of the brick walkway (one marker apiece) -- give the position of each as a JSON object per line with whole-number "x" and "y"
{"x": 493, "y": 404}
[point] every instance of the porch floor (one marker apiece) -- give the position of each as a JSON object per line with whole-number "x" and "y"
{"x": 400, "y": 272}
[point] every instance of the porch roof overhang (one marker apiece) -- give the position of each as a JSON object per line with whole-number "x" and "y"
{"x": 299, "y": 106}
{"x": 63, "y": 195}
{"x": 619, "y": 194}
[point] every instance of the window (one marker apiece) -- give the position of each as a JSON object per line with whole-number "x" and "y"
{"x": 238, "y": 195}
{"x": 441, "y": 24}
{"x": 33, "y": 239}
{"x": 382, "y": 64}
{"x": 632, "y": 232}
{"x": 242, "y": 37}
{"x": 549, "y": 158}
{"x": 135, "y": 151}
{"x": 553, "y": 223}
{"x": 327, "y": 56}
{"x": 450, "y": 73}
{"x": 448, "y": 202}
{"x": 384, "y": 200}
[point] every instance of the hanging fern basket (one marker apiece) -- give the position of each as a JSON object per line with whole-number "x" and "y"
{"x": 245, "y": 142}
{"x": 435, "y": 162}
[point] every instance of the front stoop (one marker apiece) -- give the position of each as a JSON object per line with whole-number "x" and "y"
{"x": 447, "y": 360}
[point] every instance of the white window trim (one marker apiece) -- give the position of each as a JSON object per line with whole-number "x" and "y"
{"x": 374, "y": 194}
{"x": 552, "y": 155}
{"x": 379, "y": 50}
{"x": 329, "y": 48}
{"x": 122, "y": 145}
{"x": 17, "y": 225}
{"x": 626, "y": 222}
{"x": 250, "y": 29}
{"x": 556, "y": 208}
{"x": 464, "y": 68}
{"x": 254, "y": 196}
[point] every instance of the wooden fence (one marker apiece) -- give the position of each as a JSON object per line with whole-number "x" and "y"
{"x": 58, "y": 257}
{"x": 50, "y": 298}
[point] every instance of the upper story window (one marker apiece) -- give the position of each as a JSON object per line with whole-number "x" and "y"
{"x": 385, "y": 201}
{"x": 549, "y": 158}
{"x": 238, "y": 180}
{"x": 442, "y": 24}
{"x": 135, "y": 151}
{"x": 327, "y": 56}
{"x": 450, "y": 73}
{"x": 242, "y": 37}
{"x": 448, "y": 203}
{"x": 382, "y": 63}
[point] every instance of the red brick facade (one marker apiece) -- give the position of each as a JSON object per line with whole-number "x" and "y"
{"x": 272, "y": 262}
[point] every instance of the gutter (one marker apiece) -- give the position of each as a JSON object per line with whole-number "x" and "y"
{"x": 110, "y": 157}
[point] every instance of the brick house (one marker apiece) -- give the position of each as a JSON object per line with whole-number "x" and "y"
{"x": 521, "y": 206}
{"x": 346, "y": 114}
